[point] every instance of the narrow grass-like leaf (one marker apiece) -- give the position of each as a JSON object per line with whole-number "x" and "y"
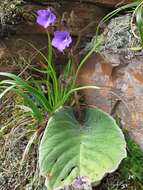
{"x": 33, "y": 91}
{"x": 36, "y": 111}
{"x": 6, "y": 90}
{"x": 139, "y": 22}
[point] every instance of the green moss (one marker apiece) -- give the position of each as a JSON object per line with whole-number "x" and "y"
{"x": 132, "y": 166}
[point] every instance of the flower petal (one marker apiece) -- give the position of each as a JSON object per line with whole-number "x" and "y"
{"x": 45, "y": 17}
{"x": 61, "y": 40}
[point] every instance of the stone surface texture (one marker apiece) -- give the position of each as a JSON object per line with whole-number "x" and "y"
{"x": 118, "y": 70}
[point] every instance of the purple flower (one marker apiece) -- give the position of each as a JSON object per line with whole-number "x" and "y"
{"x": 61, "y": 40}
{"x": 45, "y": 17}
{"x": 78, "y": 181}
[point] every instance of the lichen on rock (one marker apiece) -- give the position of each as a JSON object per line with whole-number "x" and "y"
{"x": 8, "y": 15}
{"x": 117, "y": 40}
{"x": 118, "y": 34}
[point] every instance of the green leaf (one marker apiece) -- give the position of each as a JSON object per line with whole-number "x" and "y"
{"x": 35, "y": 111}
{"x": 70, "y": 148}
{"x": 139, "y": 21}
{"x": 17, "y": 81}
{"x": 6, "y": 90}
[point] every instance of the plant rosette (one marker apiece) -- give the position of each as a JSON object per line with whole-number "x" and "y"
{"x": 70, "y": 151}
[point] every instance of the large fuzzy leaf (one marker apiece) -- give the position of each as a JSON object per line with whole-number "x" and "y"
{"x": 70, "y": 148}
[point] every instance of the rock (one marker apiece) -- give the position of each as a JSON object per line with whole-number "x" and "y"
{"x": 101, "y": 2}
{"x": 97, "y": 72}
{"x": 14, "y": 48}
{"x": 77, "y": 15}
{"x": 8, "y": 17}
{"x": 118, "y": 71}
{"x": 16, "y": 54}
{"x": 110, "y": 2}
{"x": 6, "y": 63}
